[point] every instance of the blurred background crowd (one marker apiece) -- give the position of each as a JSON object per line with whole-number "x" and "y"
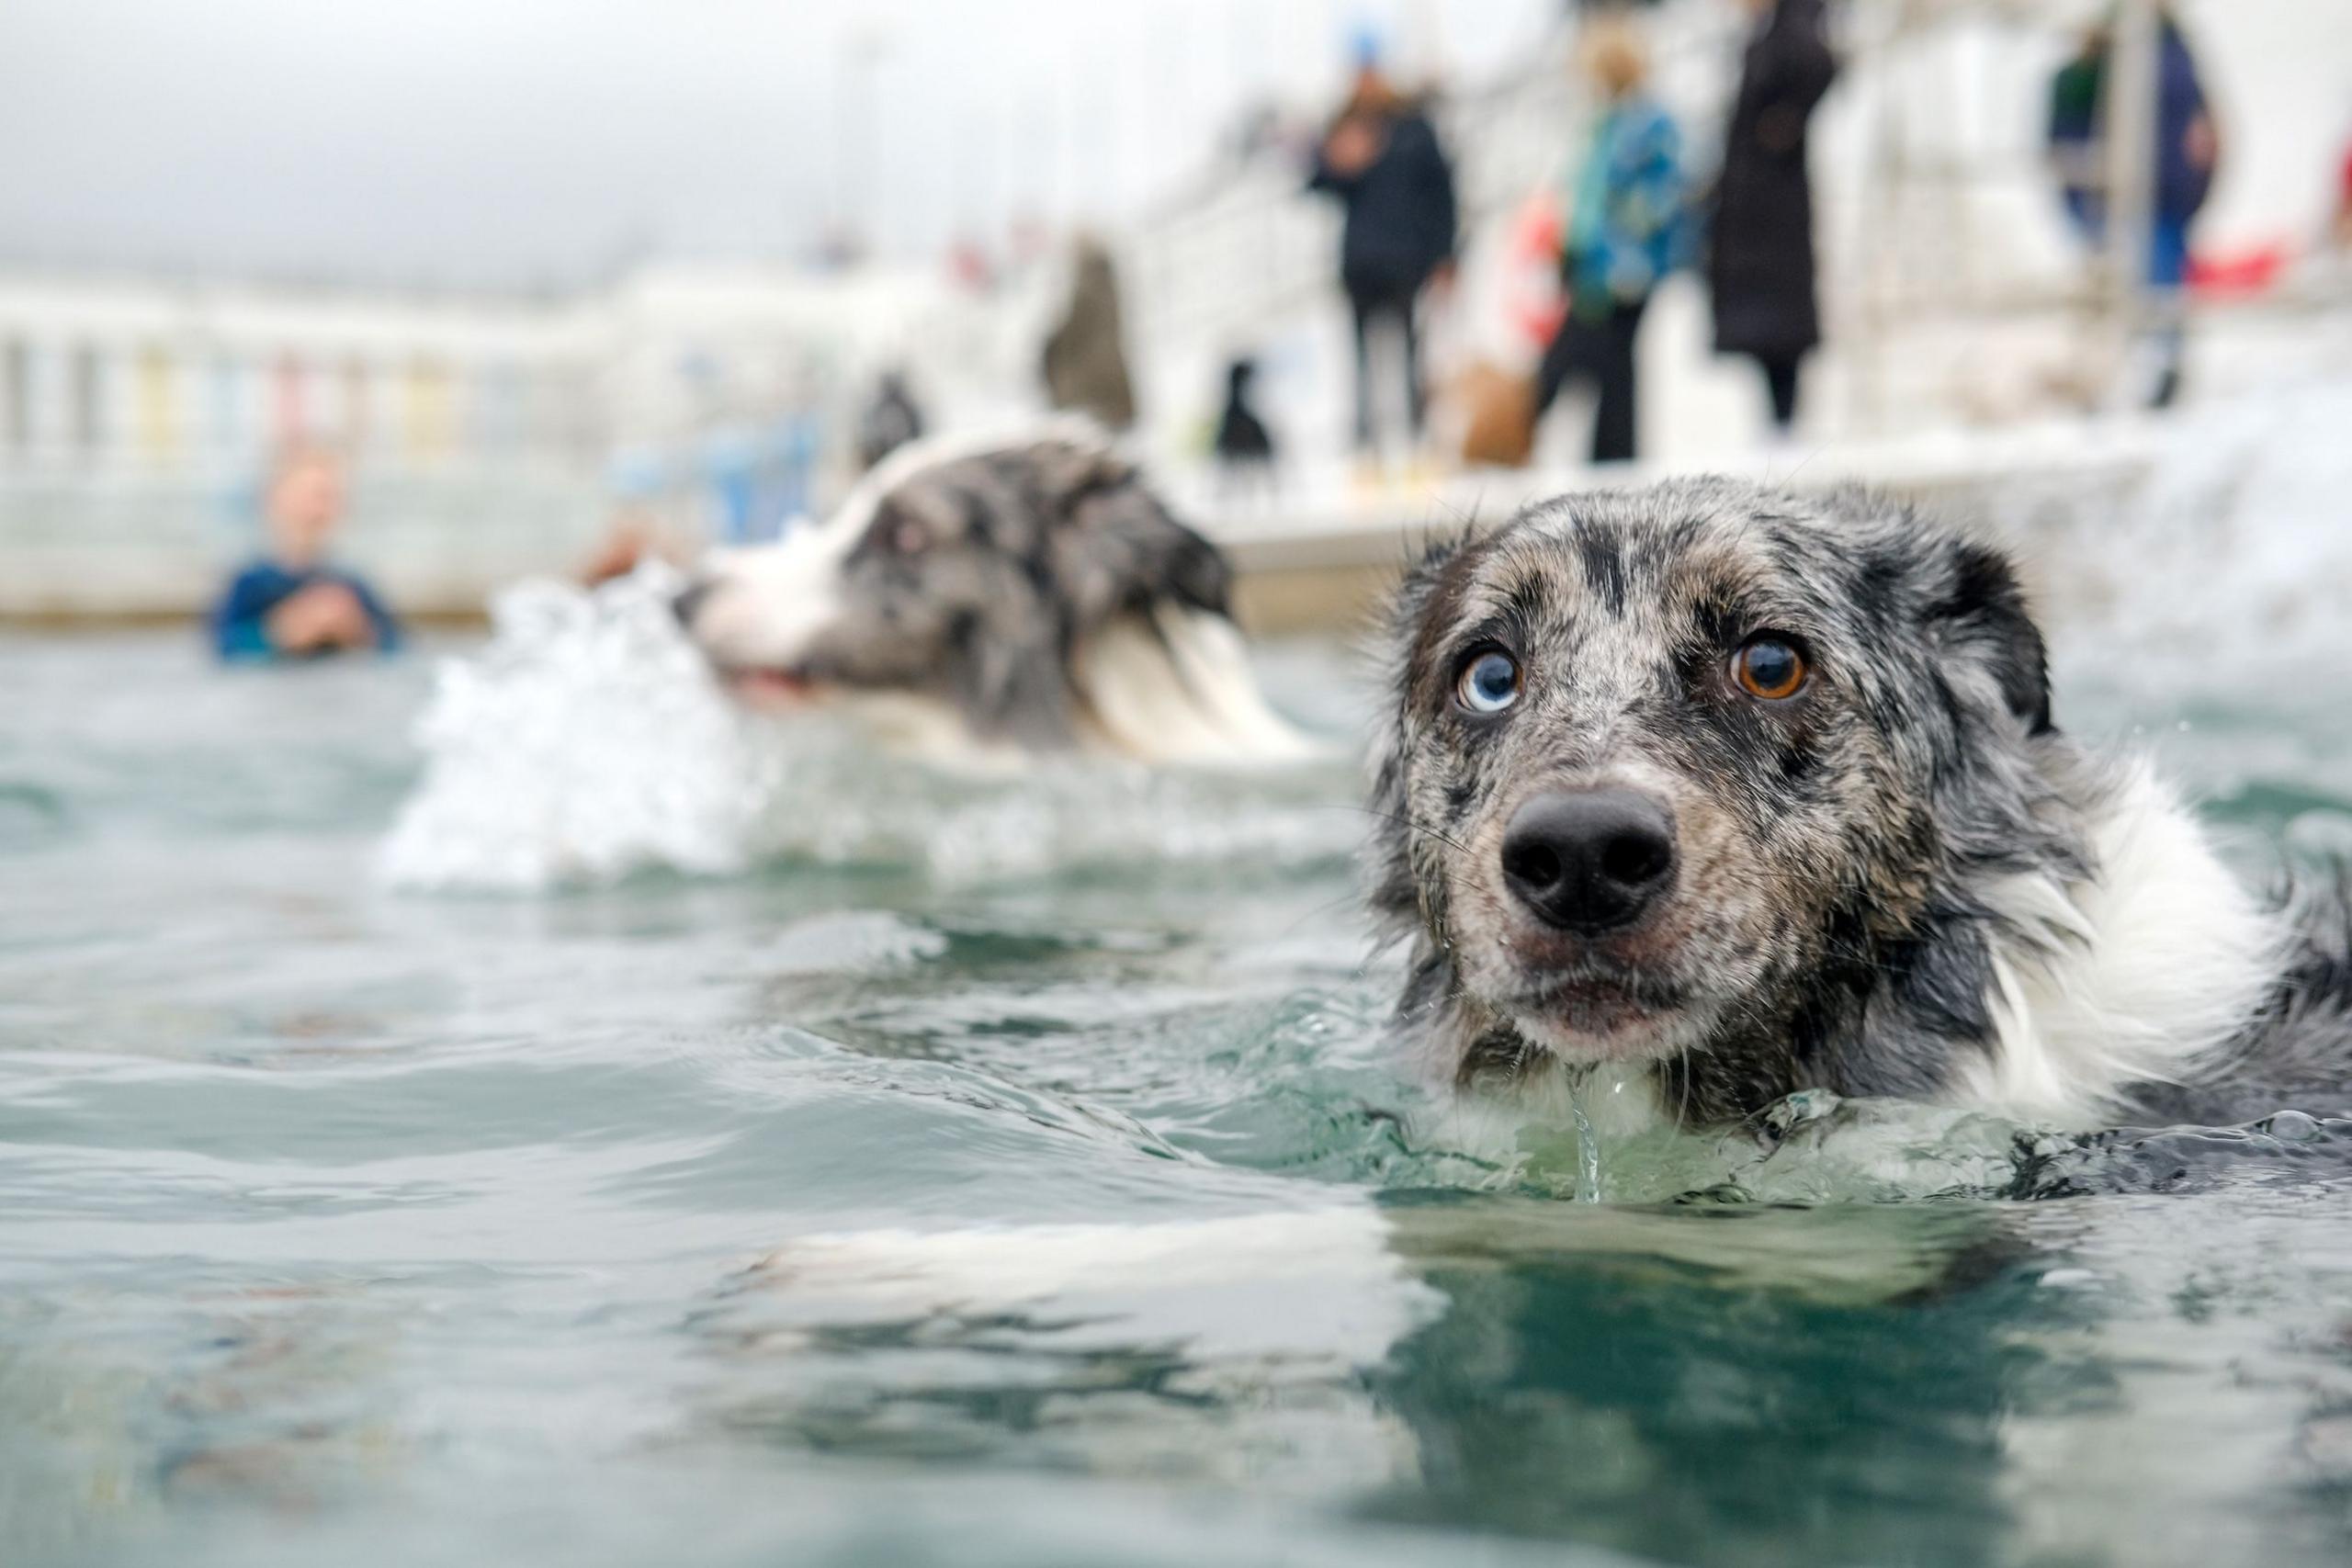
{"x": 527, "y": 287}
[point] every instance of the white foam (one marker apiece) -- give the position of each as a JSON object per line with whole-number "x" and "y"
{"x": 2227, "y": 563}
{"x": 587, "y": 742}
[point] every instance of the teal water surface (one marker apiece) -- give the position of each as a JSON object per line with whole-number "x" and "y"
{"x": 1017, "y": 1176}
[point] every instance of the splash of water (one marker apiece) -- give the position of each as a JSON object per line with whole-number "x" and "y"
{"x": 1587, "y": 1147}
{"x": 588, "y": 740}
{"x": 1818, "y": 1147}
{"x": 2205, "y": 589}
{"x": 2226, "y": 558}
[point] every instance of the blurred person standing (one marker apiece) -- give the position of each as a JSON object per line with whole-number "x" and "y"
{"x": 1382, "y": 159}
{"x": 1760, "y": 260}
{"x": 2188, "y": 149}
{"x": 1625, "y": 233}
{"x": 292, "y": 604}
{"x": 1086, "y": 353}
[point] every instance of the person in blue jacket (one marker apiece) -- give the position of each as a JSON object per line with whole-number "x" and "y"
{"x": 293, "y": 604}
{"x": 1626, "y": 230}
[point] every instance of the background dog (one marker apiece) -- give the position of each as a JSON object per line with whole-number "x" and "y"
{"x": 1244, "y": 446}
{"x": 998, "y": 599}
{"x": 1722, "y": 794}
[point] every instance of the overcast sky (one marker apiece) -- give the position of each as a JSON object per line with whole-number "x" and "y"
{"x": 510, "y": 143}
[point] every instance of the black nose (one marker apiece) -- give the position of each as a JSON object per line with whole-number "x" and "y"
{"x": 1588, "y": 861}
{"x": 690, "y": 599}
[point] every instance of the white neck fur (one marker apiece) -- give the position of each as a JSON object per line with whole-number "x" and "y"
{"x": 1180, "y": 689}
{"x": 2142, "y": 973}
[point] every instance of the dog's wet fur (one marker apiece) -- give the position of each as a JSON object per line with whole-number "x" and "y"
{"x": 1021, "y": 596}
{"x": 1904, "y": 879}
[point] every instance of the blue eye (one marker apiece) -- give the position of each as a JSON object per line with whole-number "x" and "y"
{"x": 1489, "y": 682}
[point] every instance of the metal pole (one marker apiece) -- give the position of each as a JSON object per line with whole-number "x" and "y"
{"x": 857, "y": 175}
{"x": 2128, "y": 109}
{"x": 1884, "y": 222}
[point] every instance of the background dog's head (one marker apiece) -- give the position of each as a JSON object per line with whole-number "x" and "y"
{"x": 1664, "y": 768}
{"x": 965, "y": 576}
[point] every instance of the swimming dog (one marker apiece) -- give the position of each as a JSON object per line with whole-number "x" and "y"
{"x": 998, "y": 599}
{"x": 1720, "y": 794}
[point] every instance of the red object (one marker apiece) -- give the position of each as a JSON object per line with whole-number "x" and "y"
{"x": 1535, "y": 300}
{"x": 2245, "y": 272}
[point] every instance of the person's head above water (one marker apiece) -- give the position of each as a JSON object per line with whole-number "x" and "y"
{"x": 303, "y": 503}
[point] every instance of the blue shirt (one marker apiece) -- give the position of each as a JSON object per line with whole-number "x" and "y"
{"x": 1626, "y": 214}
{"x": 238, "y": 620}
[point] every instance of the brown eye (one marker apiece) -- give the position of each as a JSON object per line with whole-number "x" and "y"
{"x": 1769, "y": 668}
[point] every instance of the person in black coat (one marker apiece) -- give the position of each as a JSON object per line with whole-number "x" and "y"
{"x": 1760, "y": 262}
{"x": 1383, "y": 162}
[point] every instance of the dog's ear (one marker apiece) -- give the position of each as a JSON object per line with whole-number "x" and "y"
{"x": 1115, "y": 546}
{"x": 1419, "y": 608}
{"x": 1432, "y": 565}
{"x": 1981, "y": 618}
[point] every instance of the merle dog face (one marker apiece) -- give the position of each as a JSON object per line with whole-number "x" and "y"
{"x": 1697, "y": 775}
{"x": 966, "y": 579}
